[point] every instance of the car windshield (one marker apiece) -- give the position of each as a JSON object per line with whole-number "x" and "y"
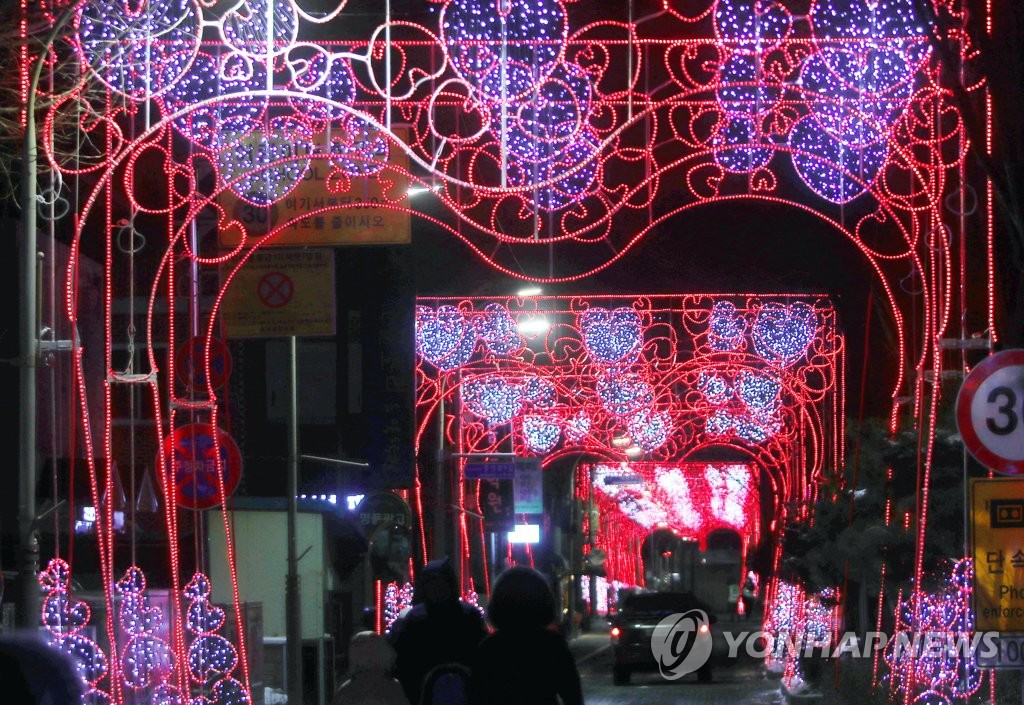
{"x": 659, "y": 603}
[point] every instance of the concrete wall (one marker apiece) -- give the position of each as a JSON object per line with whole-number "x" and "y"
{"x": 261, "y": 552}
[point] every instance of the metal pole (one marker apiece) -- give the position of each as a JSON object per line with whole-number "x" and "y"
{"x": 292, "y": 594}
{"x": 28, "y": 337}
{"x": 574, "y": 581}
{"x": 592, "y": 525}
{"x": 441, "y": 488}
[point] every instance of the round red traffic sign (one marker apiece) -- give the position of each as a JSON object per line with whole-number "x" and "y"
{"x": 193, "y": 464}
{"x": 189, "y": 362}
{"x": 275, "y": 289}
{"x": 990, "y": 412}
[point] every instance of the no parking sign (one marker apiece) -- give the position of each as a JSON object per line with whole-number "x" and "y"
{"x": 191, "y": 367}
{"x": 192, "y": 455}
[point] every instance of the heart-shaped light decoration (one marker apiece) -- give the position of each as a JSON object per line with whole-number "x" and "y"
{"x": 198, "y": 587}
{"x": 444, "y": 338}
{"x": 782, "y": 334}
{"x": 249, "y": 26}
{"x": 493, "y": 398}
{"x": 138, "y": 616}
{"x": 649, "y": 429}
{"x": 228, "y": 691}
{"x": 90, "y": 661}
{"x": 267, "y": 164}
{"x": 624, "y": 394}
{"x": 166, "y": 694}
{"x": 856, "y": 100}
{"x": 577, "y": 426}
{"x": 211, "y": 656}
{"x": 759, "y": 392}
{"x": 555, "y": 113}
{"x": 742, "y": 89}
{"x": 611, "y": 336}
{"x": 56, "y": 577}
{"x": 540, "y": 392}
{"x": 756, "y": 429}
{"x": 892, "y": 23}
{"x": 317, "y": 73}
{"x": 739, "y": 146}
{"x": 752, "y": 27}
{"x": 726, "y": 328}
{"x": 715, "y": 388}
{"x": 719, "y": 423}
{"x": 541, "y": 433}
{"x": 146, "y": 661}
{"x": 831, "y": 168}
{"x": 63, "y": 616}
{"x": 228, "y": 112}
{"x": 133, "y": 582}
{"x": 497, "y": 329}
{"x": 204, "y": 618}
{"x": 136, "y": 52}
{"x": 504, "y": 53}
{"x": 358, "y": 148}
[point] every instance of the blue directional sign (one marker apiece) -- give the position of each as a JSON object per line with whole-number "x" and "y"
{"x": 490, "y": 471}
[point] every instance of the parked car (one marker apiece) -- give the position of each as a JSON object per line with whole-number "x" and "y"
{"x": 633, "y": 626}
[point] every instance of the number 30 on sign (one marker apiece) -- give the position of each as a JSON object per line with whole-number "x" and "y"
{"x": 990, "y": 412}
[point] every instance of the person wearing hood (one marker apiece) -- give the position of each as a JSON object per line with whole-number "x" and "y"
{"x": 525, "y": 660}
{"x": 34, "y": 672}
{"x": 371, "y": 663}
{"x": 439, "y": 629}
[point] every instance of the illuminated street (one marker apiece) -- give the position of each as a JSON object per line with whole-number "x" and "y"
{"x": 327, "y": 321}
{"x": 742, "y": 683}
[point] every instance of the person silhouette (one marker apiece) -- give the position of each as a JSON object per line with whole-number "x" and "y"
{"x": 36, "y": 673}
{"x": 371, "y": 661}
{"x": 439, "y": 629}
{"x": 525, "y": 660}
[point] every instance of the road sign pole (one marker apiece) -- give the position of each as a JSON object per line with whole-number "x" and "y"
{"x": 592, "y": 530}
{"x": 441, "y": 487}
{"x": 292, "y": 594}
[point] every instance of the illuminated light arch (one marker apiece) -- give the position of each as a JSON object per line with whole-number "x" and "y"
{"x": 604, "y": 367}
{"x": 625, "y": 147}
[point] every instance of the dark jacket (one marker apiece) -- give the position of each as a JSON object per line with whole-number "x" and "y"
{"x": 523, "y": 661}
{"x": 439, "y": 629}
{"x": 532, "y": 666}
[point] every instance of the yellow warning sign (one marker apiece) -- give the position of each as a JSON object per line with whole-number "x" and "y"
{"x": 327, "y": 205}
{"x": 997, "y": 546}
{"x": 281, "y": 293}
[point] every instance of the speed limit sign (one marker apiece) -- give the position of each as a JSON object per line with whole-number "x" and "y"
{"x": 990, "y": 412}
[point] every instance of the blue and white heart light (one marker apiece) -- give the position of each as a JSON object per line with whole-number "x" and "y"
{"x": 624, "y": 394}
{"x": 650, "y": 428}
{"x": 726, "y": 328}
{"x": 444, "y": 338}
{"x": 611, "y": 337}
{"x": 493, "y": 398}
{"x": 782, "y": 334}
{"x": 541, "y": 433}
